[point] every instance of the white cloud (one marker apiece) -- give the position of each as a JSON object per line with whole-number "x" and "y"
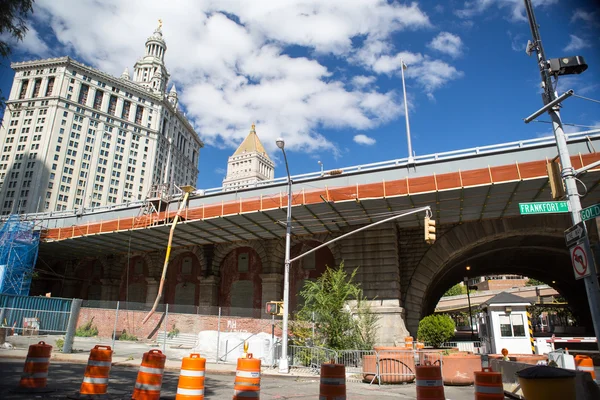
{"x": 446, "y": 42}
{"x": 228, "y": 59}
{"x": 576, "y": 43}
{"x": 516, "y": 8}
{"x": 585, "y": 16}
{"x": 364, "y": 140}
{"x": 361, "y": 81}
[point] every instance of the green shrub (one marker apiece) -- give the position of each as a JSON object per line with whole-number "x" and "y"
{"x": 435, "y": 329}
{"x": 87, "y": 330}
{"x": 127, "y": 336}
{"x": 59, "y": 344}
{"x": 174, "y": 332}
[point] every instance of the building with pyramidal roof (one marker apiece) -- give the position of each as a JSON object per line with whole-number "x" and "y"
{"x": 249, "y": 164}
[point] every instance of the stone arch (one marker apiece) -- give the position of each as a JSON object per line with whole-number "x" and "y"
{"x": 445, "y": 260}
{"x": 134, "y": 279}
{"x": 221, "y": 251}
{"x": 278, "y": 250}
{"x": 240, "y": 290}
{"x": 182, "y": 282}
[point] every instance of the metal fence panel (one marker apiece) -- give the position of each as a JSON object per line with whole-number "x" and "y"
{"x": 35, "y": 315}
{"x": 310, "y": 358}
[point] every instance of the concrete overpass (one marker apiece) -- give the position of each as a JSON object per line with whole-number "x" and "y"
{"x": 230, "y": 247}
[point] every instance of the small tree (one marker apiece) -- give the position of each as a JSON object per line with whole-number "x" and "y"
{"x": 533, "y": 282}
{"x": 342, "y": 316}
{"x": 456, "y": 290}
{"x": 435, "y": 329}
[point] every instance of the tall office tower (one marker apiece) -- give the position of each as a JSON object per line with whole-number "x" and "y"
{"x": 249, "y": 164}
{"x": 75, "y": 137}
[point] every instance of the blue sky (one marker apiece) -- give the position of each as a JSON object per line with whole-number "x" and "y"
{"x": 325, "y": 75}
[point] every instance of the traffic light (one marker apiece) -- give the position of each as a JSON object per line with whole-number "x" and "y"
{"x": 274, "y": 307}
{"x": 429, "y": 230}
{"x": 557, "y": 188}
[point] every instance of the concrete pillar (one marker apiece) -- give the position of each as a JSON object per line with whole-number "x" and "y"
{"x": 151, "y": 290}
{"x": 209, "y": 291}
{"x": 272, "y": 287}
{"x": 392, "y": 329}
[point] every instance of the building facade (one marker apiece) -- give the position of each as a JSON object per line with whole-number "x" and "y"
{"x": 75, "y": 137}
{"x": 249, "y": 164}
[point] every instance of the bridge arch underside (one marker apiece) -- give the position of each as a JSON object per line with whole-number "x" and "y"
{"x": 538, "y": 255}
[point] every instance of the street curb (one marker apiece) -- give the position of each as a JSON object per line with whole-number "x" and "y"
{"x": 130, "y": 364}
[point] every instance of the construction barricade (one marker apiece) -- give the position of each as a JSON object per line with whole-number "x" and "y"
{"x": 95, "y": 377}
{"x": 150, "y": 375}
{"x": 585, "y": 364}
{"x": 247, "y": 378}
{"x": 35, "y": 370}
{"x": 191, "y": 378}
{"x": 488, "y": 385}
{"x": 333, "y": 382}
{"x": 429, "y": 382}
{"x": 408, "y": 342}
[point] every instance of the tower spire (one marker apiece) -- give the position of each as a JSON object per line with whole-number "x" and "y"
{"x": 150, "y": 71}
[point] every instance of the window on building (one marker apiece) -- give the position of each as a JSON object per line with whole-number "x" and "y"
{"x": 98, "y": 99}
{"x": 37, "y": 84}
{"x": 511, "y": 325}
{"x": 126, "y": 108}
{"x": 50, "y": 86}
{"x": 23, "y": 91}
{"x": 112, "y": 105}
{"x": 243, "y": 262}
{"x": 83, "y": 94}
{"x": 139, "y": 112}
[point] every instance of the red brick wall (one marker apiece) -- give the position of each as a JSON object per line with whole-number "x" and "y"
{"x": 131, "y": 321}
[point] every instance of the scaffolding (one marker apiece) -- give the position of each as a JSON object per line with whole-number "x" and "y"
{"x": 19, "y": 244}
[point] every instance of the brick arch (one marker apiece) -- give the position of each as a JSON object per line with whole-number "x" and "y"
{"x": 196, "y": 251}
{"x": 221, "y": 251}
{"x": 460, "y": 241}
{"x": 278, "y": 251}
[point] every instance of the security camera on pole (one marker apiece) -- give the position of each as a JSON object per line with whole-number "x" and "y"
{"x": 580, "y": 253}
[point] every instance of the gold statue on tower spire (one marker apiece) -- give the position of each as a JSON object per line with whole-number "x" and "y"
{"x": 159, "y": 24}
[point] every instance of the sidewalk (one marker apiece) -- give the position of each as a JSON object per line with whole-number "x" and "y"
{"x": 128, "y": 354}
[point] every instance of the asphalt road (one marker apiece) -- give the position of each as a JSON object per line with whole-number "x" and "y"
{"x": 65, "y": 379}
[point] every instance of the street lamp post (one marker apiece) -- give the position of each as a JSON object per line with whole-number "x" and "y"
{"x": 469, "y": 301}
{"x": 411, "y": 159}
{"x": 283, "y": 361}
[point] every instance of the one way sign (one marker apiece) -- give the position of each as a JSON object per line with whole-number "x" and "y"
{"x": 575, "y": 233}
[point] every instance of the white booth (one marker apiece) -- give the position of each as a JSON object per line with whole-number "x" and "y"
{"x": 503, "y": 325}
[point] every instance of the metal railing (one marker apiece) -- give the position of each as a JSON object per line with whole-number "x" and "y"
{"x": 428, "y": 158}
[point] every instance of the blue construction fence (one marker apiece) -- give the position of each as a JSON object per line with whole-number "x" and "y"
{"x": 29, "y": 315}
{"x": 19, "y": 243}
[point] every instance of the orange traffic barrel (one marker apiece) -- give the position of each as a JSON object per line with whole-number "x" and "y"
{"x": 585, "y": 363}
{"x": 149, "y": 379}
{"x": 429, "y": 382}
{"x": 247, "y": 378}
{"x": 35, "y": 371}
{"x": 408, "y": 342}
{"x": 488, "y": 385}
{"x": 420, "y": 345}
{"x": 191, "y": 378}
{"x": 333, "y": 382}
{"x": 95, "y": 377}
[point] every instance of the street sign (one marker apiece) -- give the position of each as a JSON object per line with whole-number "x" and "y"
{"x": 590, "y": 212}
{"x": 544, "y": 207}
{"x": 575, "y": 233}
{"x": 581, "y": 257}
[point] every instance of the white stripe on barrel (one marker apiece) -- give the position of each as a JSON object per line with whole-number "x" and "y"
{"x": 333, "y": 381}
{"x": 190, "y": 392}
{"x": 148, "y": 370}
{"x": 144, "y": 386}
{"x": 95, "y": 381}
{"x": 247, "y": 374}
{"x": 429, "y": 382}
{"x": 94, "y": 363}
{"x": 489, "y": 389}
{"x": 189, "y": 372}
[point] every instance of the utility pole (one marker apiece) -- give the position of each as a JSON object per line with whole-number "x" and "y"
{"x": 567, "y": 173}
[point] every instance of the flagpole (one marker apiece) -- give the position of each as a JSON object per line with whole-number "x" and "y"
{"x": 411, "y": 159}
